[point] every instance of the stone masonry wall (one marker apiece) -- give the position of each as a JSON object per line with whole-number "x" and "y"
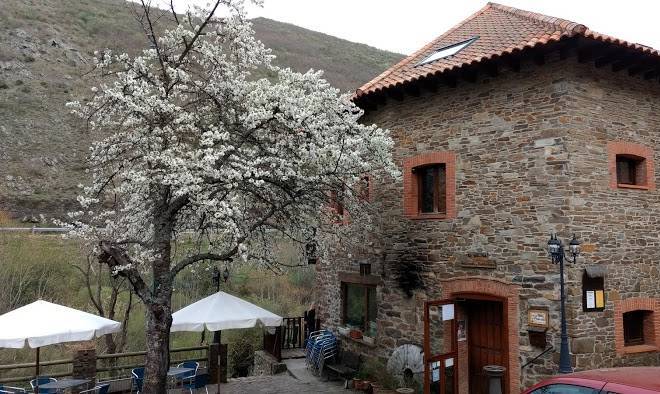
{"x": 618, "y": 226}
{"x": 531, "y": 158}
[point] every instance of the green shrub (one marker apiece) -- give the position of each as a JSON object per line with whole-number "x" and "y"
{"x": 375, "y": 370}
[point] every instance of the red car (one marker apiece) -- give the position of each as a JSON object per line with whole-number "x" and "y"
{"x": 630, "y": 380}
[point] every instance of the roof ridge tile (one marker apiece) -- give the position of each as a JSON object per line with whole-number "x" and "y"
{"x": 563, "y": 24}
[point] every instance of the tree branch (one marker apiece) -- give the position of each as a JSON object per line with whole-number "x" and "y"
{"x": 115, "y": 258}
{"x": 151, "y": 35}
{"x": 190, "y": 45}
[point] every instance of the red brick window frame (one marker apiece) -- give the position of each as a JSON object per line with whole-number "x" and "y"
{"x": 337, "y": 208}
{"x": 638, "y": 159}
{"x": 364, "y": 190}
{"x": 648, "y": 309}
{"x": 411, "y": 184}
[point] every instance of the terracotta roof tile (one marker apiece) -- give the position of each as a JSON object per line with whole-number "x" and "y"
{"x": 500, "y": 30}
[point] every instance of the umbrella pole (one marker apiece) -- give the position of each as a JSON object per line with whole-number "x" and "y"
{"x": 37, "y": 373}
{"x": 217, "y": 338}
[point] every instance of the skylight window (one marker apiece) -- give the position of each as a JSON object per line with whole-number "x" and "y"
{"x": 447, "y": 51}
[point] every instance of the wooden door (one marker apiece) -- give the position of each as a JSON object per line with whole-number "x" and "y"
{"x": 485, "y": 341}
{"x": 440, "y": 355}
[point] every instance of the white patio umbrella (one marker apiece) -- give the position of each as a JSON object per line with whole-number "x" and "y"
{"x": 222, "y": 311}
{"x": 43, "y": 323}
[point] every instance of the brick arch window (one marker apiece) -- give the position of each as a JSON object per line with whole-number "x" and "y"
{"x": 429, "y": 186}
{"x": 631, "y": 166}
{"x": 637, "y": 325}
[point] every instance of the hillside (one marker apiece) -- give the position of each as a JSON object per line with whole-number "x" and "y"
{"x": 45, "y": 47}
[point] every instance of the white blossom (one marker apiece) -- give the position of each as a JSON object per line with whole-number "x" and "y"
{"x": 192, "y": 139}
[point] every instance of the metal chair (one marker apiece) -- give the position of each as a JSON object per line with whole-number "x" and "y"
{"x": 43, "y": 380}
{"x": 190, "y": 377}
{"x": 11, "y": 390}
{"x": 320, "y": 347}
{"x": 137, "y": 379}
{"x": 200, "y": 382}
{"x": 313, "y": 340}
{"x": 327, "y": 349}
{"x": 99, "y": 389}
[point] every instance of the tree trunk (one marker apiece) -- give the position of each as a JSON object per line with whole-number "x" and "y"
{"x": 159, "y": 309}
{"x": 111, "y": 348}
{"x": 159, "y": 321}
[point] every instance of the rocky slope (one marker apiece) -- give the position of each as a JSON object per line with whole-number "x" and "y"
{"x": 45, "y": 47}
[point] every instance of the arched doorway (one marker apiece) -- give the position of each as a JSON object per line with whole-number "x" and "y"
{"x": 484, "y": 331}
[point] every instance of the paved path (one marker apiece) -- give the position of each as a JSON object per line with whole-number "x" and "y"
{"x": 282, "y": 383}
{"x": 296, "y": 380}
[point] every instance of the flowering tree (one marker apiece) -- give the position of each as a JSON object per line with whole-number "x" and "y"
{"x": 194, "y": 142}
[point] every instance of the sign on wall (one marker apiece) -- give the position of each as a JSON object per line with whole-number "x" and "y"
{"x": 537, "y": 318}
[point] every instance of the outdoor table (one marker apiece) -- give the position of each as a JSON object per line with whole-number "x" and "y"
{"x": 175, "y": 372}
{"x": 64, "y": 384}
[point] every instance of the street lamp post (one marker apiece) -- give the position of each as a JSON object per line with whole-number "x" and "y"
{"x": 556, "y": 252}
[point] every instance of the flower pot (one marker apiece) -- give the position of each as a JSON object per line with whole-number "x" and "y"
{"x": 362, "y": 385}
{"x": 343, "y": 331}
{"x": 356, "y": 334}
{"x": 359, "y": 384}
{"x": 376, "y": 388}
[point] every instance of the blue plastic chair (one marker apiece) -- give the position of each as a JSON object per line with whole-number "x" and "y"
{"x": 43, "y": 380}
{"x": 200, "y": 382}
{"x": 11, "y": 390}
{"x": 137, "y": 379}
{"x": 190, "y": 377}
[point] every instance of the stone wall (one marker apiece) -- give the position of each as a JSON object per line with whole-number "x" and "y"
{"x": 531, "y": 158}
{"x": 84, "y": 362}
{"x": 266, "y": 364}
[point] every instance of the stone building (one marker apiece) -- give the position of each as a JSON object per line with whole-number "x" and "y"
{"x": 509, "y": 127}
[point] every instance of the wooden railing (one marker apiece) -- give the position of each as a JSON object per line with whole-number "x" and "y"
{"x": 292, "y": 332}
{"x": 290, "y": 335}
{"x": 108, "y": 366}
{"x": 11, "y": 367}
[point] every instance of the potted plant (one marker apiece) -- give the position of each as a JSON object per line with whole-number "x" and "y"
{"x": 360, "y": 381}
{"x": 360, "y": 384}
{"x": 356, "y": 334}
{"x": 381, "y": 381}
{"x": 369, "y": 337}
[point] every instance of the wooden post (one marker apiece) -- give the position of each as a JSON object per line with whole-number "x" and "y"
{"x": 212, "y": 363}
{"x": 223, "y": 363}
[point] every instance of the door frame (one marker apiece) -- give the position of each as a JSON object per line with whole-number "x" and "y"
{"x": 428, "y": 357}
{"x": 505, "y": 328}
